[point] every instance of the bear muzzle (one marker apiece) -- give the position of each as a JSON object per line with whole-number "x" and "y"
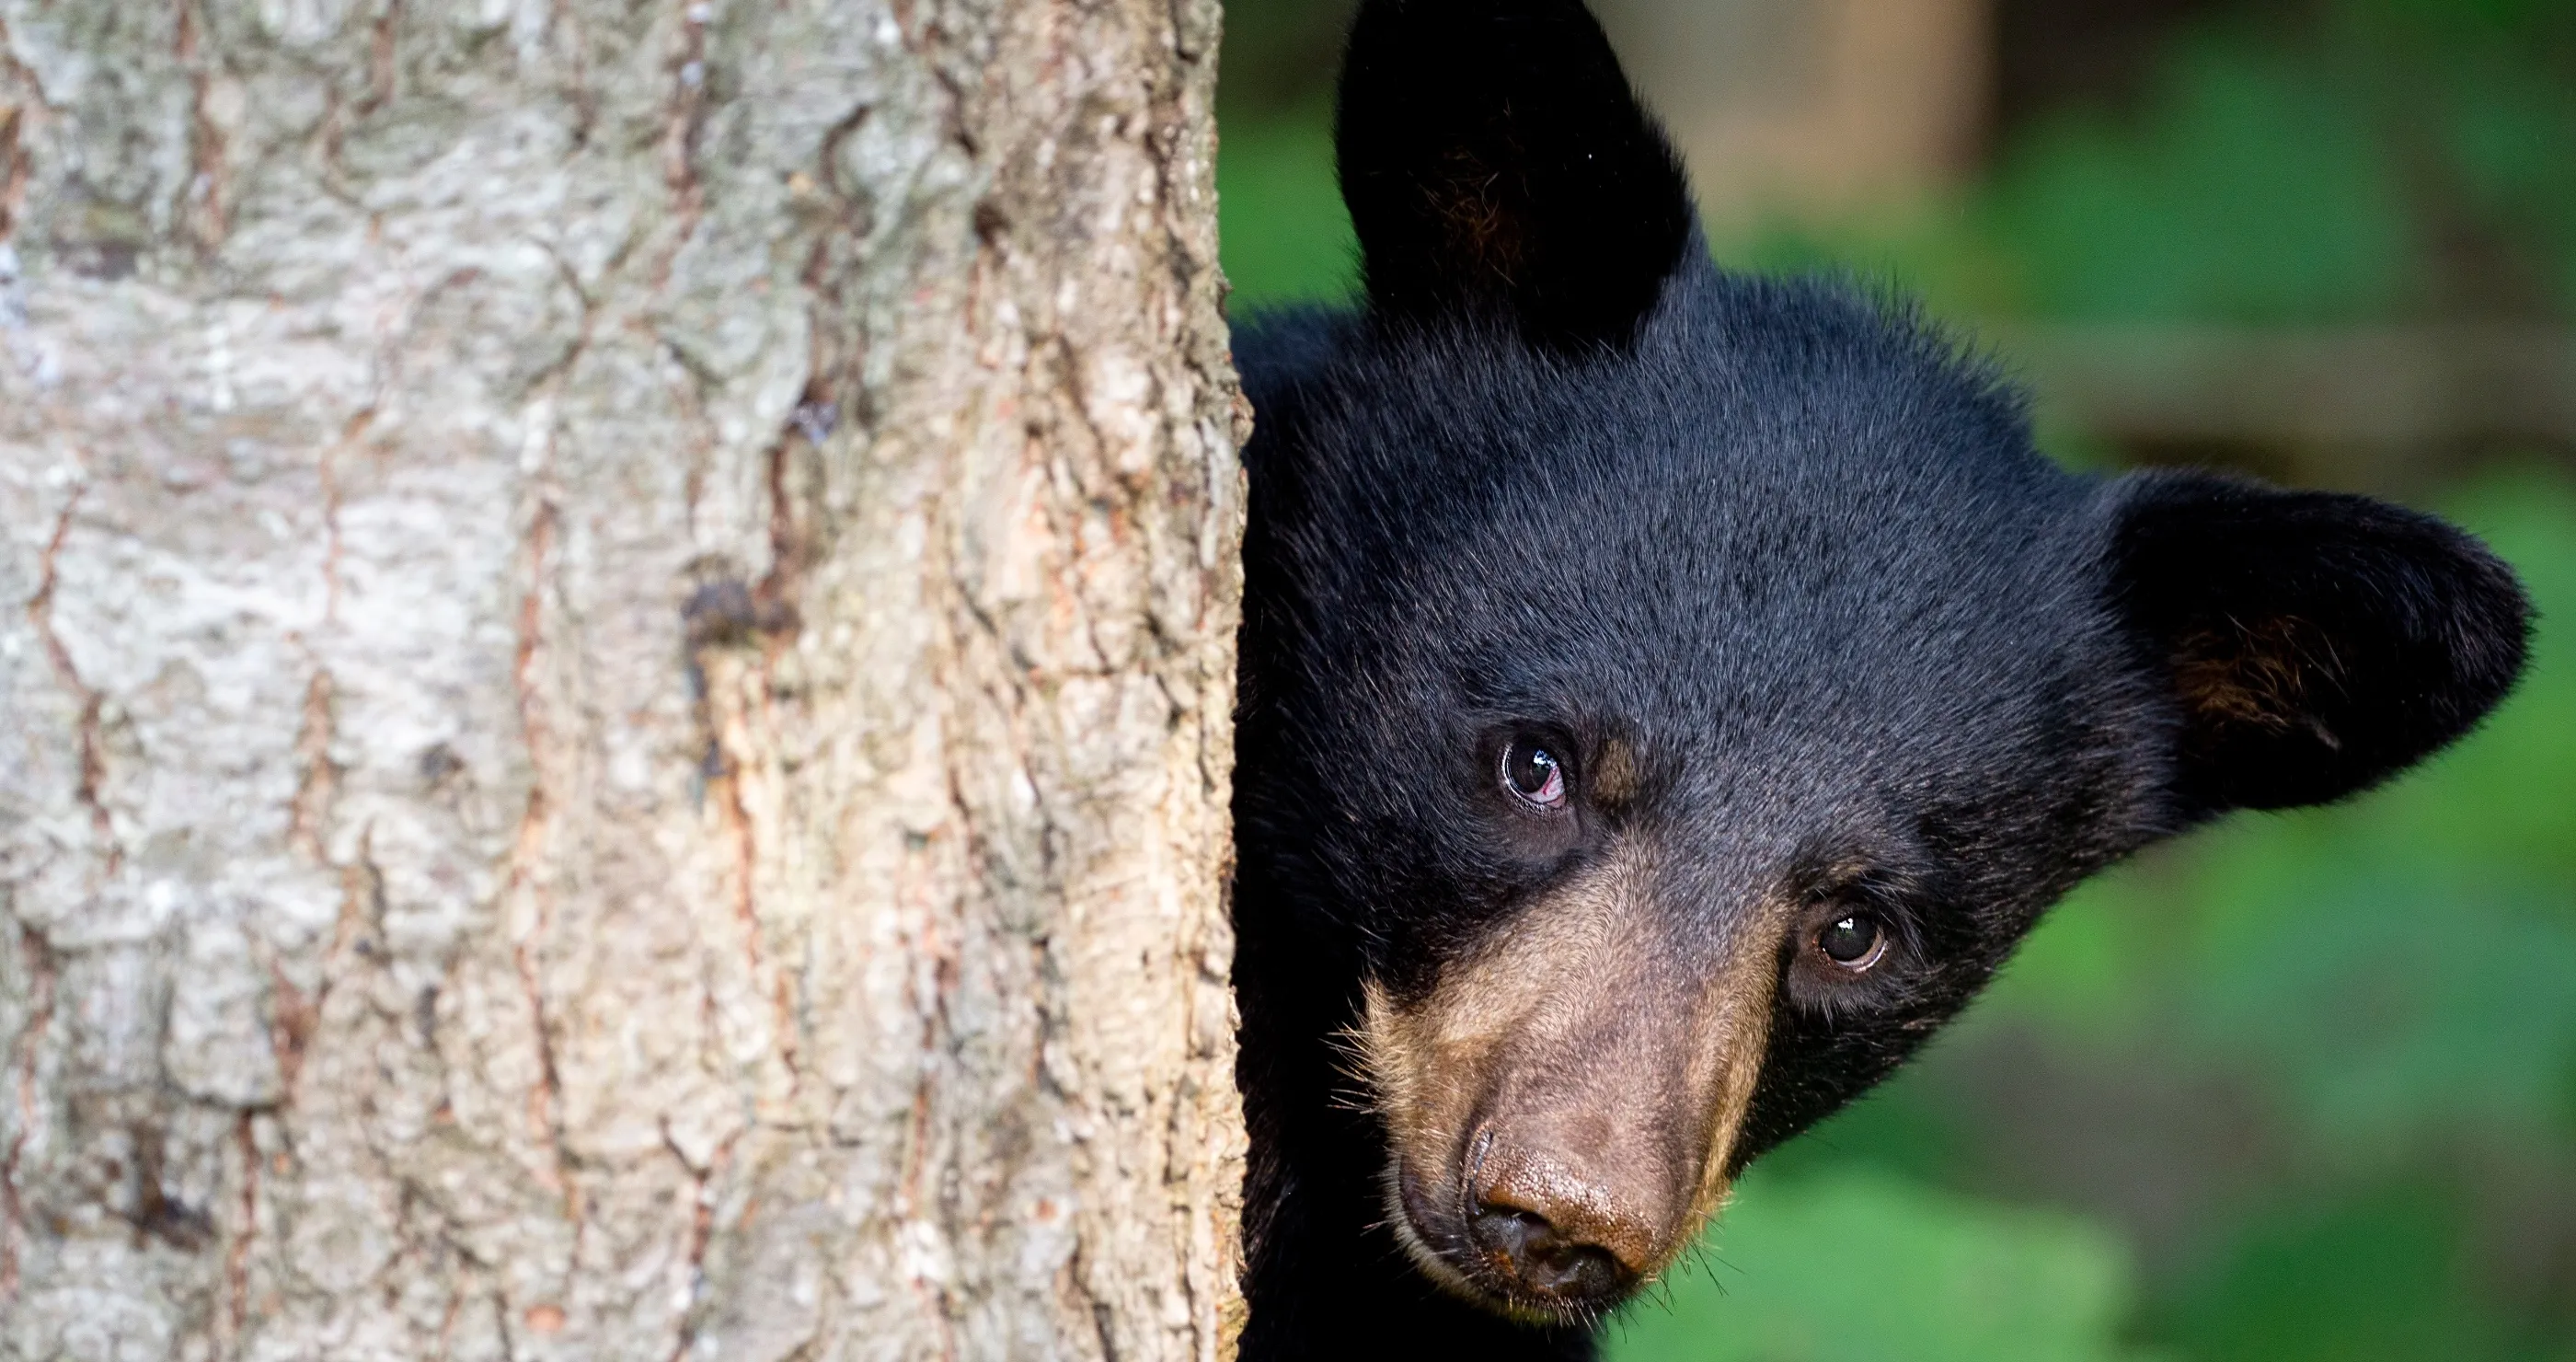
{"x": 1560, "y": 1105}
{"x": 1559, "y": 1232}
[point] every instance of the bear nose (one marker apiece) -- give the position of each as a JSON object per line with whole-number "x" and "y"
{"x": 1529, "y": 1249}
{"x": 1557, "y": 1234}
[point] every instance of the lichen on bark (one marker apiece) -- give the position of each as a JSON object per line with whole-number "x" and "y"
{"x": 615, "y": 664}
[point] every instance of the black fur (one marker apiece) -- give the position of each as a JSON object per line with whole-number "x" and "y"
{"x": 1779, "y": 538}
{"x": 2378, "y": 634}
{"x": 1493, "y": 159}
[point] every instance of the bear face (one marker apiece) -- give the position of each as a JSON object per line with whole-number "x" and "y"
{"x": 1668, "y": 695}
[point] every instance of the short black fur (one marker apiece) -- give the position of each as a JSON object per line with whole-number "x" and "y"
{"x": 2334, "y": 640}
{"x": 1781, "y": 541}
{"x": 1493, "y": 159}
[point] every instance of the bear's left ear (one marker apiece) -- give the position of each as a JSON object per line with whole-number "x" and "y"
{"x": 1494, "y": 160}
{"x": 2317, "y": 643}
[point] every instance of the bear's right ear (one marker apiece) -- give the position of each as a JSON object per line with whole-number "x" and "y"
{"x": 1495, "y": 160}
{"x": 2316, "y": 643}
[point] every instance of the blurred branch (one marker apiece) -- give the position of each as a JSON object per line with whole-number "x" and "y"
{"x": 2389, "y": 387}
{"x": 1811, "y": 104}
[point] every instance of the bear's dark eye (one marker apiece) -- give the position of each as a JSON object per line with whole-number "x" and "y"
{"x": 1533, "y": 774}
{"x": 1854, "y": 941}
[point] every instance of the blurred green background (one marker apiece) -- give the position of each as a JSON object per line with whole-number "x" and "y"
{"x": 2300, "y": 1086}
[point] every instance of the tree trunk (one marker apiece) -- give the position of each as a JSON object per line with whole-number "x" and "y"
{"x": 614, "y": 721}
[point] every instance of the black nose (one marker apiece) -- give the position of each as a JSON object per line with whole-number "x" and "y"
{"x": 1529, "y": 1249}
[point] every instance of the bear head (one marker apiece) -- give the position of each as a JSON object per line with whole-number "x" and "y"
{"x": 1669, "y": 694}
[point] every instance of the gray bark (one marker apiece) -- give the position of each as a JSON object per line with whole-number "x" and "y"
{"x": 615, "y": 678}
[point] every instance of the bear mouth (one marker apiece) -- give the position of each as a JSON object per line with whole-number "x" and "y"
{"x": 1436, "y": 1230}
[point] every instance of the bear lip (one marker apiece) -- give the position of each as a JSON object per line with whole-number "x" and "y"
{"x": 1435, "y": 1238}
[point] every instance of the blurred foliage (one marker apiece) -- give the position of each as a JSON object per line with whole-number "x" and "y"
{"x": 2378, "y": 159}
{"x": 1279, "y": 214}
{"x": 1857, "y": 1265}
{"x": 2401, "y": 157}
{"x": 2249, "y": 190}
{"x": 2302, "y": 1086}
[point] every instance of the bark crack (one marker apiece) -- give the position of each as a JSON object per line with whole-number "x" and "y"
{"x": 317, "y": 778}
{"x": 13, "y": 156}
{"x": 9, "y": 64}
{"x": 207, "y": 145}
{"x": 382, "y": 73}
{"x": 564, "y": 19}
{"x": 93, "y": 756}
{"x": 916, "y": 1154}
{"x": 31, "y": 1042}
{"x": 746, "y": 907}
{"x": 295, "y": 1017}
{"x": 553, "y": 375}
{"x": 237, "y": 1259}
{"x": 702, "y": 1230}
{"x": 447, "y": 1323}
{"x": 719, "y": 615}
{"x": 724, "y": 613}
{"x": 681, "y": 126}
{"x": 545, "y": 1100}
{"x": 351, "y": 431}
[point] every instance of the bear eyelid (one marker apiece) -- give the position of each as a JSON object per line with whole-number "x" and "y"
{"x": 1881, "y": 941}
{"x": 1820, "y": 983}
{"x": 1534, "y": 772}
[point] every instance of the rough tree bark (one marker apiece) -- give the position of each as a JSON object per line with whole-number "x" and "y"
{"x": 614, "y": 681}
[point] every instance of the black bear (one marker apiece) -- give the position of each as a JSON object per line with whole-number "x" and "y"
{"x": 1669, "y": 694}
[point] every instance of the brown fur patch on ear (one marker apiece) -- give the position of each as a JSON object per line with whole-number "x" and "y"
{"x": 2255, "y": 674}
{"x": 1474, "y": 220}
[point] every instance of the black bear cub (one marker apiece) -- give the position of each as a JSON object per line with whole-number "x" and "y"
{"x": 1669, "y": 694}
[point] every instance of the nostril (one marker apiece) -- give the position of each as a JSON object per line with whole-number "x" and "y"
{"x": 1510, "y": 1232}
{"x": 1528, "y": 1248}
{"x": 1577, "y": 1271}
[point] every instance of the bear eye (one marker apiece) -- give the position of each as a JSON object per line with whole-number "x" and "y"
{"x": 1854, "y": 941}
{"x": 1533, "y": 774}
